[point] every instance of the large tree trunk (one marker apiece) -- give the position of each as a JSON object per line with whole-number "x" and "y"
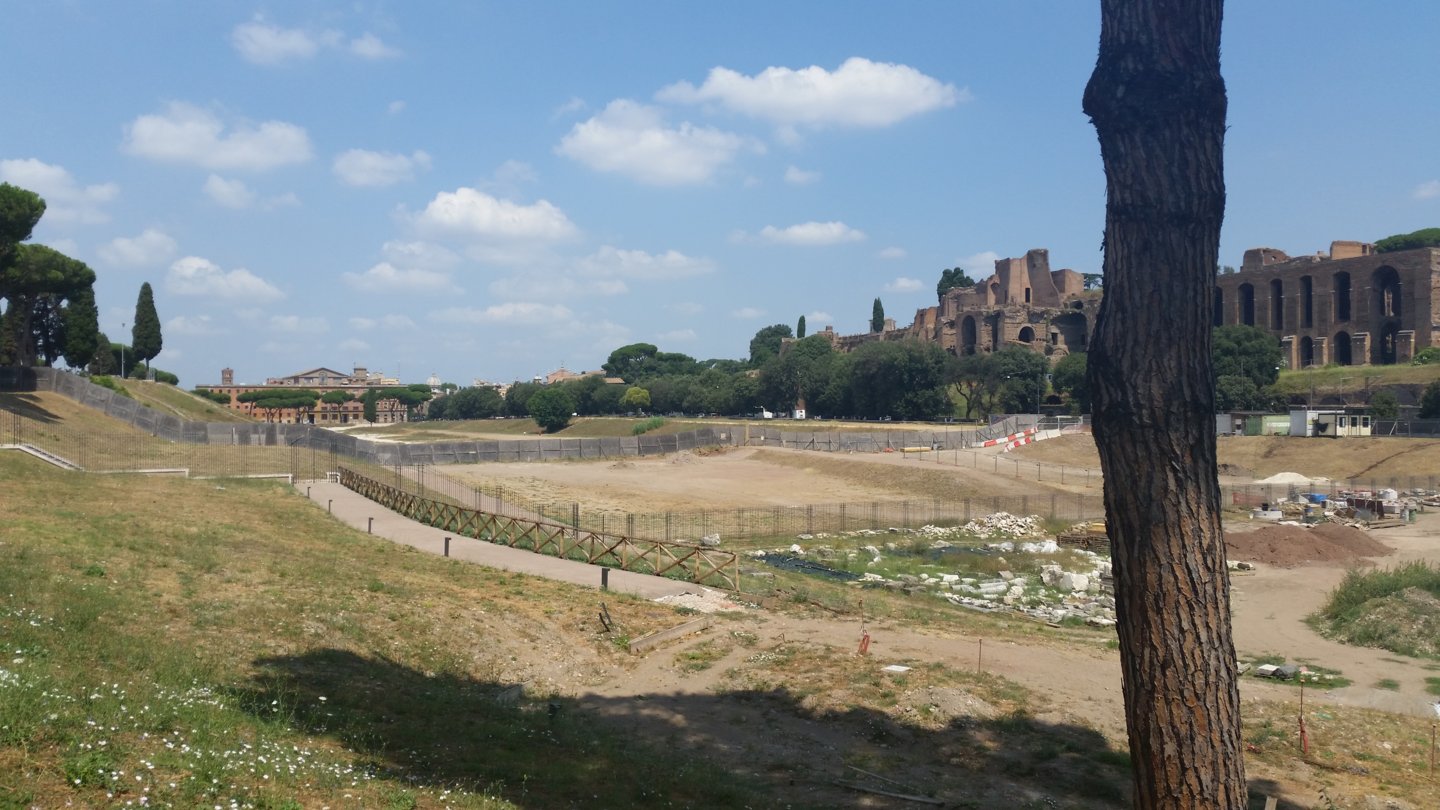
{"x": 1158, "y": 104}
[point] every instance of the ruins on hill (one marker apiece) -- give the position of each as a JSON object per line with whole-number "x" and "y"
{"x": 1351, "y": 306}
{"x": 1024, "y": 303}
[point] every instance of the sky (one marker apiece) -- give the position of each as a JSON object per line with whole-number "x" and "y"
{"x": 492, "y": 191}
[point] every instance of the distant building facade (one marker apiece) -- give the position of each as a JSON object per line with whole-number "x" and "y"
{"x": 1353, "y": 306}
{"x": 321, "y": 380}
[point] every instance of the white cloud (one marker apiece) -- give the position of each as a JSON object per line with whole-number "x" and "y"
{"x": 151, "y": 247}
{"x": 286, "y": 200}
{"x": 515, "y": 313}
{"x": 196, "y": 325}
{"x": 270, "y": 45}
{"x": 185, "y": 133}
{"x": 810, "y": 234}
{"x": 396, "y": 323}
{"x": 419, "y": 254}
{"x": 892, "y": 253}
{"x": 386, "y": 278}
{"x": 369, "y": 46}
{"x": 549, "y": 285}
{"x": 637, "y": 264}
{"x": 796, "y": 176}
{"x": 229, "y": 193}
{"x": 905, "y": 285}
{"x": 193, "y": 275}
{"x": 353, "y": 345}
{"x": 634, "y": 140}
{"x": 979, "y": 266}
{"x": 817, "y": 320}
{"x": 1428, "y": 190}
{"x": 362, "y": 324}
{"x": 677, "y": 336}
{"x": 859, "y": 93}
{"x": 514, "y": 173}
{"x": 298, "y": 325}
{"x": 468, "y": 212}
{"x": 395, "y": 107}
{"x": 572, "y": 105}
{"x": 360, "y": 167}
{"x": 685, "y": 307}
{"x": 65, "y": 199}
{"x": 747, "y": 313}
{"x": 69, "y": 247}
{"x": 262, "y": 43}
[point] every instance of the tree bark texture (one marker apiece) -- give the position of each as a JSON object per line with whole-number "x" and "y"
{"x": 1157, "y": 101}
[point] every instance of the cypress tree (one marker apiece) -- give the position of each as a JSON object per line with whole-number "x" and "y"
{"x": 145, "y": 337}
{"x": 104, "y": 360}
{"x": 877, "y": 317}
{"x": 82, "y": 328}
{"x": 800, "y": 328}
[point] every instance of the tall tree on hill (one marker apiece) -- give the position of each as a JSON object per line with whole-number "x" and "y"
{"x": 103, "y": 361}
{"x": 950, "y": 279}
{"x": 800, "y": 328}
{"x": 1157, "y": 101}
{"x": 877, "y": 317}
{"x": 35, "y": 282}
{"x": 81, "y": 321}
{"x": 145, "y": 335}
{"x": 766, "y": 343}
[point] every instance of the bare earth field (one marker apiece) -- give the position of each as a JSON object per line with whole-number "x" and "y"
{"x": 1264, "y": 456}
{"x": 742, "y": 478}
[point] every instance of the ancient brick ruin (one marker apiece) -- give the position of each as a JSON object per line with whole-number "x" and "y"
{"x": 1351, "y": 307}
{"x": 1024, "y": 303}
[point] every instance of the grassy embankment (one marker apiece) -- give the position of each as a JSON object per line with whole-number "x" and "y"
{"x": 1395, "y": 609}
{"x": 192, "y": 644}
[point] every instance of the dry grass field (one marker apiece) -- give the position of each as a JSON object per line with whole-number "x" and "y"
{"x": 283, "y": 660}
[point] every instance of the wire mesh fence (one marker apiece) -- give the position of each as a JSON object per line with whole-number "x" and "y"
{"x": 139, "y": 452}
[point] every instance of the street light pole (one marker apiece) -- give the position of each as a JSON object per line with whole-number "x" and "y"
{"x": 122, "y": 350}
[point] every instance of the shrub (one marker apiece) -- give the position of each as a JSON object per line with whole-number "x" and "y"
{"x": 647, "y": 425}
{"x": 106, "y": 381}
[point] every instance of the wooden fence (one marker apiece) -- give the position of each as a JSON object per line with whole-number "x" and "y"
{"x": 693, "y": 563}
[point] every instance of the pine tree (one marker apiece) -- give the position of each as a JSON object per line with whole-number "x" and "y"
{"x": 877, "y": 317}
{"x": 145, "y": 337}
{"x": 800, "y": 328}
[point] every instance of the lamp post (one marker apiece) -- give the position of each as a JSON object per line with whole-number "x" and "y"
{"x": 122, "y": 350}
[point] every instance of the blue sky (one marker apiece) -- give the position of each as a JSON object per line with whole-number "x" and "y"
{"x": 492, "y": 190}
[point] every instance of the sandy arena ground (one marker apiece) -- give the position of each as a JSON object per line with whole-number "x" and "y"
{"x": 1269, "y": 605}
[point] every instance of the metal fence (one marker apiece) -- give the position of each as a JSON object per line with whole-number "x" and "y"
{"x": 751, "y": 522}
{"x": 138, "y": 452}
{"x": 688, "y": 561}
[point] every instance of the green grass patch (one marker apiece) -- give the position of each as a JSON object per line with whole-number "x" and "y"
{"x": 1388, "y": 683}
{"x": 643, "y": 427}
{"x": 1395, "y": 609}
{"x": 1432, "y": 685}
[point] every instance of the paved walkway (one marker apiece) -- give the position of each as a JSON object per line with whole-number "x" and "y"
{"x": 355, "y": 510}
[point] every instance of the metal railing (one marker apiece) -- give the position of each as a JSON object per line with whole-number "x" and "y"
{"x": 690, "y": 562}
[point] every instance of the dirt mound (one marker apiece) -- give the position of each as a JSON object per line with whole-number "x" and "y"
{"x": 1289, "y": 546}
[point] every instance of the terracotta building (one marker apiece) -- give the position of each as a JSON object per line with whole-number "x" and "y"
{"x": 321, "y": 380}
{"x": 1352, "y": 306}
